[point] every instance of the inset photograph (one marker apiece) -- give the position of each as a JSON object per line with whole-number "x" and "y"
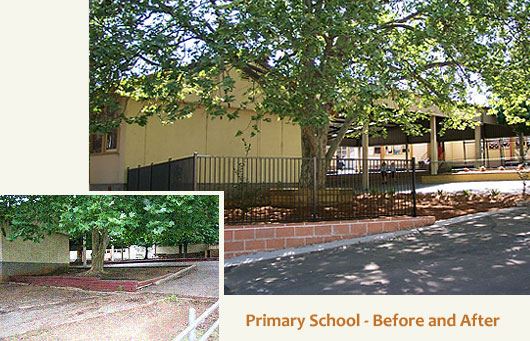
{"x": 97, "y": 267}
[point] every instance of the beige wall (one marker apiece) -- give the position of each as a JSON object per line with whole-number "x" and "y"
{"x": 157, "y": 142}
{"x": 52, "y": 249}
{"x": 194, "y": 248}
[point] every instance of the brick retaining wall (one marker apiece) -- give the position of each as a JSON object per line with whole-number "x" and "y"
{"x": 87, "y": 283}
{"x": 247, "y": 239}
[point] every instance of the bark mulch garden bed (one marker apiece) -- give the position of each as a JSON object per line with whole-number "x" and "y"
{"x": 442, "y": 205}
{"x": 448, "y": 205}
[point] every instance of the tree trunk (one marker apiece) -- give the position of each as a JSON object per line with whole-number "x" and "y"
{"x": 314, "y": 141}
{"x": 146, "y": 252}
{"x": 100, "y": 239}
{"x": 185, "y": 250}
{"x": 79, "y": 249}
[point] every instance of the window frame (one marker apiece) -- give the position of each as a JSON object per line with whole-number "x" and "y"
{"x": 104, "y": 139}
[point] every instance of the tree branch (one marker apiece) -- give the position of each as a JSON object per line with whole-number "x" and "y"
{"x": 404, "y": 19}
{"x": 340, "y": 136}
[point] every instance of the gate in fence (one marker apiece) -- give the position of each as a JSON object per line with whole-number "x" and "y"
{"x": 285, "y": 189}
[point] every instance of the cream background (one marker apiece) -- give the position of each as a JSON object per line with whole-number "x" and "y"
{"x": 44, "y": 149}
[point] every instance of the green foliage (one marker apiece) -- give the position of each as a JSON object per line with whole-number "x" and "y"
{"x": 494, "y": 192}
{"x": 515, "y": 111}
{"x": 140, "y": 220}
{"x": 308, "y": 61}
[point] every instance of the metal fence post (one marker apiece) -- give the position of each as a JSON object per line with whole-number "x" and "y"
{"x": 138, "y": 178}
{"x": 169, "y": 174}
{"x": 315, "y": 189}
{"x": 194, "y": 170}
{"x": 192, "y": 336}
{"x": 414, "y": 212}
{"x": 151, "y": 177}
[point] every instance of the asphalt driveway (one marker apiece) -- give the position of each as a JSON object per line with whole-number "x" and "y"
{"x": 485, "y": 254}
{"x": 203, "y": 282}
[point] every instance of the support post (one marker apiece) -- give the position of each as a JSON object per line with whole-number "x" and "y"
{"x": 112, "y": 253}
{"x": 314, "y": 199}
{"x": 366, "y": 171}
{"x": 414, "y": 209}
{"x": 478, "y": 146}
{"x": 434, "y": 146}
{"x": 464, "y": 149}
{"x": 522, "y": 154}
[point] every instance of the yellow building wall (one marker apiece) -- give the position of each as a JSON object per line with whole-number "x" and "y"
{"x": 157, "y": 142}
{"x": 106, "y": 169}
{"x": 52, "y": 249}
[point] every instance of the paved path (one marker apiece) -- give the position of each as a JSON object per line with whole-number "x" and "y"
{"x": 511, "y": 187}
{"x": 483, "y": 255}
{"x": 203, "y": 282}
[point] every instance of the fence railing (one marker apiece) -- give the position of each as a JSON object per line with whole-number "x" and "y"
{"x": 289, "y": 189}
{"x": 190, "y": 333}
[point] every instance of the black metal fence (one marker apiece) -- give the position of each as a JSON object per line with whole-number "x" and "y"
{"x": 173, "y": 175}
{"x": 283, "y": 189}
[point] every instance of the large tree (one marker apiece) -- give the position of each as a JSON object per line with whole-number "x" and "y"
{"x": 310, "y": 61}
{"x": 119, "y": 218}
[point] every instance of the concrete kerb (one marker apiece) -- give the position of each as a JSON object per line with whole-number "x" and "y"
{"x": 290, "y": 252}
{"x": 177, "y": 274}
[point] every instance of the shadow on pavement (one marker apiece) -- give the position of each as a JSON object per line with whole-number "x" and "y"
{"x": 486, "y": 255}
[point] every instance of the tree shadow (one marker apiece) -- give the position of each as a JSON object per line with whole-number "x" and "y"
{"x": 486, "y": 255}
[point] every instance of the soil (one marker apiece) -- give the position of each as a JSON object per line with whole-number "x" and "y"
{"x": 121, "y": 273}
{"x": 44, "y": 313}
{"x": 449, "y": 205}
{"x": 159, "y": 321}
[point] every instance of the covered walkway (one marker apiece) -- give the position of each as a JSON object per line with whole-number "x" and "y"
{"x": 489, "y": 144}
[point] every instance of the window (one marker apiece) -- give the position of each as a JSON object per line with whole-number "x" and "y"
{"x": 104, "y": 143}
{"x": 111, "y": 142}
